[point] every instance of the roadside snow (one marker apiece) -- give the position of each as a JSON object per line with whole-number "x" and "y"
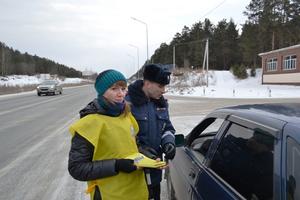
{"x": 23, "y": 80}
{"x": 222, "y": 84}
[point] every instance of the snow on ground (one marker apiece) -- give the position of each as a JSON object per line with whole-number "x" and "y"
{"x": 22, "y": 80}
{"x": 222, "y": 84}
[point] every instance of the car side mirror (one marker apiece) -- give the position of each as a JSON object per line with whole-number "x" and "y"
{"x": 179, "y": 140}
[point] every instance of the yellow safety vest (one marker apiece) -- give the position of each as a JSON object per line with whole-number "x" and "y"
{"x": 113, "y": 138}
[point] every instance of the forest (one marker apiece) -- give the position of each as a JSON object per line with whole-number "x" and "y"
{"x": 270, "y": 24}
{"x": 14, "y": 62}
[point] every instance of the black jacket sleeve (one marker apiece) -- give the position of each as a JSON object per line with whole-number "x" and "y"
{"x": 81, "y": 165}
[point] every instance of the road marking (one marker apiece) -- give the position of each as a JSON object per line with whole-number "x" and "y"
{"x": 18, "y": 161}
{"x": 31, "y": 105}
{"x": 4, "y": 96}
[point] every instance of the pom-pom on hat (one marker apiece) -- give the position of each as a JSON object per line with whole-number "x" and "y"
{"x": 106, "y": 79}
{"x": 157, "y": 73}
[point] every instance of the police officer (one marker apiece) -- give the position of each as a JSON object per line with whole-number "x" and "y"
{"x": 150, "y": 109}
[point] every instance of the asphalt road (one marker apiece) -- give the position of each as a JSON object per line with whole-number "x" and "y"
{"x": 34, "y": 144}
{"x": 34, "y": 140}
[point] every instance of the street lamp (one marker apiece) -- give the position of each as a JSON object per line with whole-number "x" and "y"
{"x": 132, "y": 57}
{"x": 146, "y": 35}
{"x": 138, "y": 62}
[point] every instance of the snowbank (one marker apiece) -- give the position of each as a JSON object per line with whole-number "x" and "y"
{"x": 23, "y": 80}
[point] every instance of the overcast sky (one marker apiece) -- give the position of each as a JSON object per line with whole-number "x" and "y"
{"x": 95, "y": 34}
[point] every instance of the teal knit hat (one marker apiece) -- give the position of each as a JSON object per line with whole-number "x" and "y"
{"x": 106, "y": 79}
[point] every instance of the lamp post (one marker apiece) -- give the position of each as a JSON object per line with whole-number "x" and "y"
{"x": 138, "y": 60}
{"x": 132, "y": 57}
{"x": 146, "y": 35}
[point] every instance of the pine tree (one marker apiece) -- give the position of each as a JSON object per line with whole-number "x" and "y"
{"x": 249, "y": 44}
{"x": 225, "y": 45}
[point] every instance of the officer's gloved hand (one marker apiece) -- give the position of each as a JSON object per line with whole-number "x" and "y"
{"x": 148, "y": 151}
{"x": 125, "y": 165}
{"x": 170, "y": 150}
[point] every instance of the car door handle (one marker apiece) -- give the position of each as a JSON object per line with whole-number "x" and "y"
{"x": 192, "y": 175}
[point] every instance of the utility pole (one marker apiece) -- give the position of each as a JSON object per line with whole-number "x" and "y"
{"x": 205, "y": 61}
{"x": 207, "y": 45}
{"x": 174, "y": 49}
{"x": 273, "y": 40}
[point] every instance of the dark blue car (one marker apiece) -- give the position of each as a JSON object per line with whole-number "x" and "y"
{"x": 242, "y": 152}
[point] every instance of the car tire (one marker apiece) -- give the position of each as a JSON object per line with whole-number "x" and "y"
{"x": 39, "y": 94}
{"x": 170, "y": 189}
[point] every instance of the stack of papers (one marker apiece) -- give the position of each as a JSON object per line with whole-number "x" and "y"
{"x": 141, "y": 160}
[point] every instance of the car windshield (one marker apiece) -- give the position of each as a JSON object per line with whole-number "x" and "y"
{"x": 48, "y": 83}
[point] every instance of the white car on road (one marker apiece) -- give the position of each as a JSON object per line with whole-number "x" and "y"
{"x": 49, "y": 87}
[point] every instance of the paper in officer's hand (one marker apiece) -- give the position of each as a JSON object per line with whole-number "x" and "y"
{"x": 141, "y": 160}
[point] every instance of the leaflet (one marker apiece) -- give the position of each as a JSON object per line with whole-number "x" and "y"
{"x": 141, "y": 160}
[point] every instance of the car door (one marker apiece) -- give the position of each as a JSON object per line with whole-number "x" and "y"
{"x": 183, "y": 174}
{"x": 206, "y": 185}
{"x": 242, "y": 166}
{"x": 188, "y": 163}
{"x": 290, "y": 163}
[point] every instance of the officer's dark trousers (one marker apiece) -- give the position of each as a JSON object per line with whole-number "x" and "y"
{"x": 154, "y": 192}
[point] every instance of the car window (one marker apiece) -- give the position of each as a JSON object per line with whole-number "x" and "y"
{"x": 244, "y": 159}
{"x": 49, "y": 82}
{"x": 293, "y": 166}
{"x": 202, "y": 142}
{"x": 213, "y": 127}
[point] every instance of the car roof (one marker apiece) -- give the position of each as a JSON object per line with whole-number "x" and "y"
{"x": 271, "y": 118}
{"x": 285, "y": 112}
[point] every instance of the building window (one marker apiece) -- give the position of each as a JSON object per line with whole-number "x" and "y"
{"x": 272, "y": 64}
{"x": 290, "y": 62}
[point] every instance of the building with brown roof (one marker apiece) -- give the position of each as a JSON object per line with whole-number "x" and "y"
{"x": 281, "y": 66}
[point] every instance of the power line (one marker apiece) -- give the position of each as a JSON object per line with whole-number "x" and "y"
{"x": 213, "y": 9}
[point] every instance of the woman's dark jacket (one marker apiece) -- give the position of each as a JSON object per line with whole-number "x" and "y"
{"x": 81, "y": 154}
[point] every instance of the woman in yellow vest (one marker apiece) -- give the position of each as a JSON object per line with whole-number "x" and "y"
{"x": 101, "y": 141}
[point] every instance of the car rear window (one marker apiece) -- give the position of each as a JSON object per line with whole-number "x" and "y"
{"x": 48, "y": 82}
{"x": 293, "y": 166}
